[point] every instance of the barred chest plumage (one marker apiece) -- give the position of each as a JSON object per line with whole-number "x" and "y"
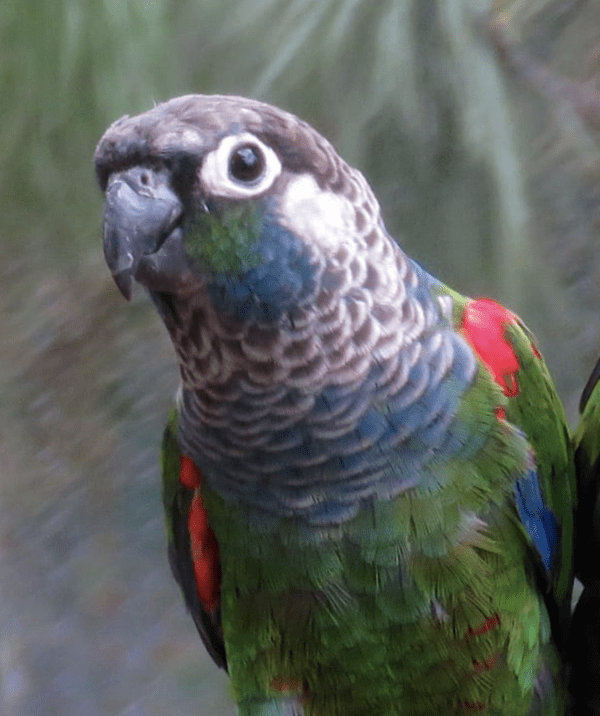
{"x": 338, "y": 401}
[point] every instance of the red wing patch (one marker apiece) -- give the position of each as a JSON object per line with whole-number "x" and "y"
{"x": 189, "y": 475}
{"x": 489, "y": 624}
{"x": 203, "y": 543}
{"x": 483, "y": 325}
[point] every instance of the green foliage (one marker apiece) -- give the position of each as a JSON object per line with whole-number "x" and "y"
{"x": 406, "y": 92}
{"x": 70, "y": 67}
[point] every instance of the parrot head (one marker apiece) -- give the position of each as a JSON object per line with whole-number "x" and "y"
{"x": 233, "y": 198}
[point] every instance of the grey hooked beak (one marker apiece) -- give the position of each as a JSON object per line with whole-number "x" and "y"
{"x": 141, "y": 213}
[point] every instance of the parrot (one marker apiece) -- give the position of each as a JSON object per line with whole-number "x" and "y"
{"x": 585, "y": 628}
{"x": 367, "y": 478}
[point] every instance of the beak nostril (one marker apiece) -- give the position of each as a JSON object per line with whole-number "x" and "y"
{"x": 141, "y": 212}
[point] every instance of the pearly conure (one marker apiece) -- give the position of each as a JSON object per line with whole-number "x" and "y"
{"x": 368, "y": 479}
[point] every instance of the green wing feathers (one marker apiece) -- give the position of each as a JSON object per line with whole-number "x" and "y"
{"x": 179, "y": 500}
{"x": 534, "y": 406}
{"x": 538, "y": 411}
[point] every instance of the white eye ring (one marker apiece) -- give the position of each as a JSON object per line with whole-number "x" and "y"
{"x": 215, "y": 172}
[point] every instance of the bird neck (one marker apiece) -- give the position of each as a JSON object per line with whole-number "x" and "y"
{"x": 279, "y": 414}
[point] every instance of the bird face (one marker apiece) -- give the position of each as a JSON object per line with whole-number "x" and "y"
{"x": 229, "y": 196}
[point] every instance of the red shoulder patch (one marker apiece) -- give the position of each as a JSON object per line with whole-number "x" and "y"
{"x": 483, "y": 326}
{"x": 203, "y": 543}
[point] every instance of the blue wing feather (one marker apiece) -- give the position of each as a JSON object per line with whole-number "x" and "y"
{"x": 537, "y": 518}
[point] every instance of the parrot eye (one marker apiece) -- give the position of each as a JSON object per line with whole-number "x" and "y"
{"x": 246, "y": 164}
{"x": 240, "y": 167}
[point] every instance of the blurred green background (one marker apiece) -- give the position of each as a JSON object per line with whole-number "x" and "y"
{"x": 488, "y": 176}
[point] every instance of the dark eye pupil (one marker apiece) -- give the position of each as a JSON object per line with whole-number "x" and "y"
{"x": 246, "y": 163}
